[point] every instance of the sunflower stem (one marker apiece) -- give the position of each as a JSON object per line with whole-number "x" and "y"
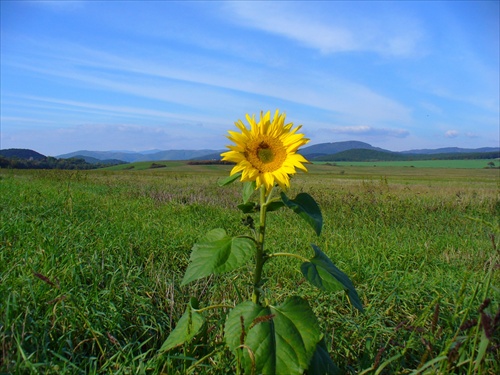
{"x": 260, "y": 256}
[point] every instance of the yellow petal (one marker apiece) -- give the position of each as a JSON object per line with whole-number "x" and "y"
{"x": 277, "y": 138}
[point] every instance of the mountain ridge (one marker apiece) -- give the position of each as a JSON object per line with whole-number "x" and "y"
{"x": 449, "y": 150}
{"x": 311, "y": 152}
{"x": 365, "y": 155}
{"x": 21, "y": 153}
{"x": 134, "y": 156}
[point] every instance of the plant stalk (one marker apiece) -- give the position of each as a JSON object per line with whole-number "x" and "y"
{"x": 260, "y": 256}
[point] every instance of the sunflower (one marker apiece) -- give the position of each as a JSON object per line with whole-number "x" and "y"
{"x": 266, "y": 153}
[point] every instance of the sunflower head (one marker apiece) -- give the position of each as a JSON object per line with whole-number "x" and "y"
{"x": 267, "y": 152}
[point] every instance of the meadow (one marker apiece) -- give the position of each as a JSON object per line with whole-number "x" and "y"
{"x": 91, "y": 263}
{"x": 465, "y": 163}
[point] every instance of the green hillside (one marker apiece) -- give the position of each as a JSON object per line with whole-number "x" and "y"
{"x": 15, "y": 158}
{"x": 367, "y": 155}
{"x": 411, "y": 164}
{"x": 21, "y": 153}
{"x": 362, "y": 154}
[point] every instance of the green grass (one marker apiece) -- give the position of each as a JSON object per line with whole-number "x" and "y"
{"x": 91, "y": 263}
{"x": 143, "y": 165}
{"x": 447, "y": 164}
{"x": 472, "y": 163}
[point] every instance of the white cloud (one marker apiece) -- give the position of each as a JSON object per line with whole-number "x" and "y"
{"x": 334, "y": 30}
{"x": 451, "y": 134}
{"x": 363, "y": 131}
{"x": 471, "y": 135}
{"x": 98, "y": 137}
{"x": 320, "y": 62}
{"x": 487, "y": 99}
{"x": 93, "y": 108}
{"x": 371, "y": 131}
{"x": 203, "y": 83}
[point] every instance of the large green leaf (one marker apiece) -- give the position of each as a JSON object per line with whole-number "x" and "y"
{"x": 273, "y": 340}
{"x": 248, "y": 208}
{"x": 274, "y": 206}
{"x": 229, "y": 179}
{"x": 307, "y": 208}
{"x": 248, "y": 190}
{"x": 217, "y": 253}
{"x": 187, "y": 327}
{"x": 323, "y": 274}
{"x": 321, "y": 362}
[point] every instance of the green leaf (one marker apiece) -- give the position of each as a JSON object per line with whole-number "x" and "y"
{"x": 274, "y": 206}
{"x": 307, "y": 208}
{"x": 188, "y": 326}
{"x": 229, "y": 179}
{"x": 481, "y": 352}
{"x": 248, "y": 208}
{"x": 323, "y": 274}
{"x": 248, "y": 190}
{"x": 321, "y": 362}
{"x": 273, "y": 340}
{"x": 217, "y": 253}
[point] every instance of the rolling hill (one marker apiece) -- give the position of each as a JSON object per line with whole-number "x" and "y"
{"x": 347, "y": 151}
{"x": 131, "y": 156}
{"x": 20, "y": 158}
{"x": 21, "y": 153}
{"x": 333, "y": 151}
{"x": 361, "y": 154}
{"x": 375, "y": 155}
{"x": 451, "y": 150}
{"x": 323, "y": 149}
{"x": 92, "y": 160}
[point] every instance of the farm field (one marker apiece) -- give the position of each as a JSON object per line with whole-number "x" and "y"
{"x": 91, "y": 264}
{"x": 468, "y": 163}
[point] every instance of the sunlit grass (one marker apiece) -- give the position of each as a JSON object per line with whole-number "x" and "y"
{"x": 465, "y": 163}
{"x": 91, "y": 262}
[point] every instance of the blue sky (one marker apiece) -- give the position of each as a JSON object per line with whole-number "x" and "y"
{"x": 133, "y": 75}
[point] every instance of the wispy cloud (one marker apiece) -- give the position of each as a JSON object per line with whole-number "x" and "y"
{"x": 379, "y": 71}
{"x": 133, "y": 137}
{"x": 471, "y": 135}
{"x": 213, "y": 83}
{"x": 451, "y": 134}
{"x": 94, "y": 108}
{"x": 370, "y": 131}
{"x": 341, "y": 32}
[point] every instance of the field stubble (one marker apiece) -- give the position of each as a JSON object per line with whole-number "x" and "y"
{"x": 91, "y": 264}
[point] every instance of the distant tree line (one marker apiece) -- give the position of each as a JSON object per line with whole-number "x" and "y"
{"x": 464, "y": 156}
{"x": 209, "y": 162}
{"x": 374, "y": 155}
{"x": 48, "y": 162}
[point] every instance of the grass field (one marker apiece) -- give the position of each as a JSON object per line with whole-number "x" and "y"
{"x": 472, "y": 163}
{"x": 448, "y": 164}
{"x": 91, "y": 263}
